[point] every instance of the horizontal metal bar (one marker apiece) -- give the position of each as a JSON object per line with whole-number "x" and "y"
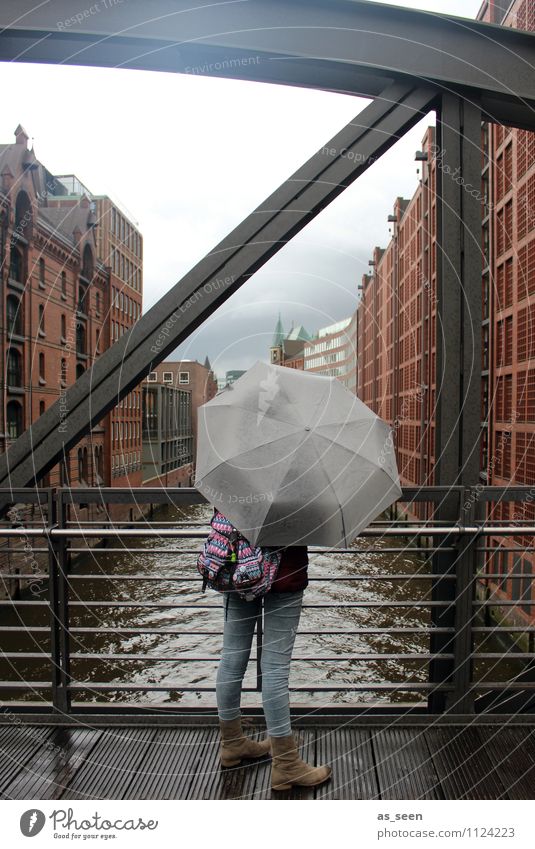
{"x": 184, "y": 533}
{"x": 199, "y": 632}
{"x": 215, "y": 659}
{"x": 496, "y": 602}
{"x": 491, "y": 629}
{"x": 173, "y": 685}
{"x": 312, "y": 551}
{"x": 163, "y": 605}
{"x": 506, "y": 655}
{"x": 195, "y": 578}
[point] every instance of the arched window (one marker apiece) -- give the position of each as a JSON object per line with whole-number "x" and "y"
{"x": 23, "y": 215}
{"x": 14, "y": 315}
{"x": 16, "y": 264}
{"x": 14, "y": 419}
{"x": 83, "y": 299}
{"x": 85, "y": 465}
{"x": 64, "y": 471}
{"x": 80, "y": 338}
{"x": 42, "y": 272}
{"x": 87, "y": 264}
{"x": 42, "y": 366}
{"x": 14, "y": 367}
{"x": 64, "y": 283}
{"x": 41, "y": 326}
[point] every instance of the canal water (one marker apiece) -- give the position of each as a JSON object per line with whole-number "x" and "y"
{"x": 178, "y": 660}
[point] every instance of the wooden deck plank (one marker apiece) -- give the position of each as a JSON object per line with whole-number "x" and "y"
{"x": 507, "y": 747}
{"x": 165, "y": 764}
{"x": 450, "y": 762}
{"x": 349, "y": 752}
{"x": 404, "y": 765}
{"x": 17, "y": 747}
{"x": 464, "y": 768}
{"x": 49, "y": 771}
{"x": 109, "y": 767}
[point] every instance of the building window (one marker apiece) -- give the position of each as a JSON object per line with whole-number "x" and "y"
{"x": 23, "y": 215}
{"x": 41, "y": 366}
{"x": 14, "y": 368}
{"x": 41, "y": 322}
{"x": 63, "y": 327}
{"x": 97, "y": 302}
{"x": 152, "y": 377}
{"x": 16, "y": 265}
{"x": 87, "y": 264}
{"x": 14, "y": 419}
{"x": 63, "y": 373}
{"x": 80, "y": 338}
{"x": 64, "y": 471}
{"x": 168, "y": 376}
{"x": 82, "y": 299}
{"x": 79, "y": 370}
{"x": 63, "y": 284}
{"x": 42, "y": 272}
{"x": 183, "y": 377}
{"x": 14, "y": 315}
{"x": 41, "y": 407}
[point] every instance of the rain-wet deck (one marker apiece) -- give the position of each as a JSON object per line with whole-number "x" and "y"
{"x": 132, "y": 762}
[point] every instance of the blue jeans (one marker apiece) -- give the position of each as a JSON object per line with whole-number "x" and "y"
{"x": 281, "y": 618}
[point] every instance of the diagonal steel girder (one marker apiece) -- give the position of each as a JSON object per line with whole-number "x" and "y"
{"x": 214, "y": 279}
{"x": 348, "y": 46}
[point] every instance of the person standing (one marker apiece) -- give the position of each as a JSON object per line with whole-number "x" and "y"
{"x": 282, "y": 609}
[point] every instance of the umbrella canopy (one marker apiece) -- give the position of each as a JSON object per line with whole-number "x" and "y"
{"x": 294, "y": 458}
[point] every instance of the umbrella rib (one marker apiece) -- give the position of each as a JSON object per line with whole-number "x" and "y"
{"x": 320, "y": 460}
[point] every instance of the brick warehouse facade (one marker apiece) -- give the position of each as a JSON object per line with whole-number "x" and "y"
{"x": 397, "y": 328}
{"x": 201, "y": 384}
{"x": 55, "y": 294}
{"x": 120, "y": 246}
{"x": 509, "y": 297}
{"x": 72, "y": 283}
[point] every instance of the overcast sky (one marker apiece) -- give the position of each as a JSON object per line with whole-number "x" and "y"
{"x": 190, "y": 157}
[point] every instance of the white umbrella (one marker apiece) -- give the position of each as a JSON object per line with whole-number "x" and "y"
{"x": 293, "y": 458}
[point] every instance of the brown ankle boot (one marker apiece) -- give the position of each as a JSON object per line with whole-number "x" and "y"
{"x": 235, "y": 745}
{"x": 289, "y": 769}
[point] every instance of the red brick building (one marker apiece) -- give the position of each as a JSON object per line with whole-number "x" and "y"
{"x": 333, "y": 352}
{"x": 55, "y": 296}
{"x": 397, "y": 332}
{"x": 197, "y": 379}
{"x": 119, "y": 245}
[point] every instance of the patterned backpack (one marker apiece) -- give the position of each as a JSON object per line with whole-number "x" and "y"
{"x": 229, "y": 563}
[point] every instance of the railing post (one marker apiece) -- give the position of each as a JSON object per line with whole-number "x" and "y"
{"x": 461, "y": 699}
{"x": 259, "y": 642}
{"x": 59, "y": 610}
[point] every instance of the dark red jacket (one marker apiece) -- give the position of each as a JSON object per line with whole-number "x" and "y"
{"x": 293, "y": 573}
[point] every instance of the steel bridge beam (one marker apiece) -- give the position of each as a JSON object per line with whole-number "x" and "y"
{"x": 459, "y": 311}
{"x": 347, "y": 46}
{"x": 214, "y": 279}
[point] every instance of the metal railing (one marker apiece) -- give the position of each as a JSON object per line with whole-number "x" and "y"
{"x": 463, "y": 591}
